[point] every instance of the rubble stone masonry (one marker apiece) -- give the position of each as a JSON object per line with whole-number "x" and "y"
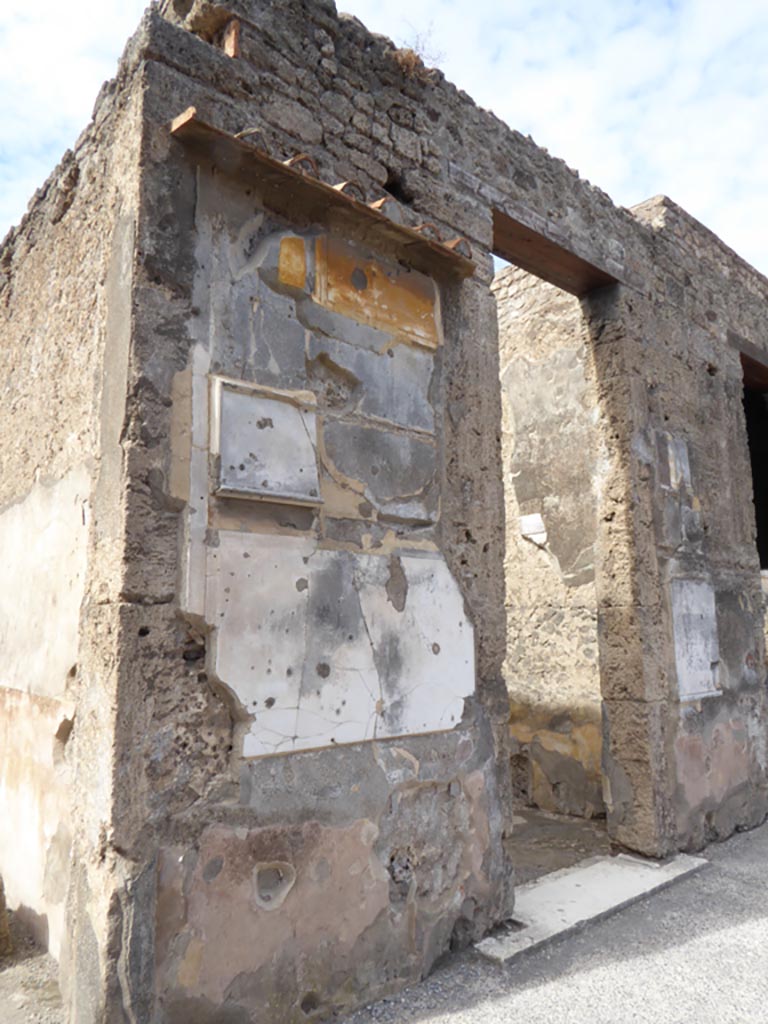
{"x": 293, "y": 504}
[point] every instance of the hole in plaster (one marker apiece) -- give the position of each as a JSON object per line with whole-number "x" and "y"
{"x": 310, "y": 1003}
{"x": 144, "y": 631}
{"x": 272, "y": 883}
{"x": 213, "y": 868}
{"x": 400, "y": 869}
{"x": 323, "y": 669}
{"x": 359, "y": 280}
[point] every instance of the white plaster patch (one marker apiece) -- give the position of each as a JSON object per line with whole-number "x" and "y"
{"x": 424, "y": 654}
{"x": 266, "y": 443}
{"x": 677, "y": 471}
{"x": 312, "y": 646}
{"x": 532, "y": 528}
{"x": 679, "y": 464}
{"x": 196, "y": 519}
{"x": 697, "y": 651}
{"x": 43, "y": 555}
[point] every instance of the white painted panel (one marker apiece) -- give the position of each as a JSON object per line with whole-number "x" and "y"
{"x": 532, "y": 528}
{"x": 267, "y": 446}
{"x": 679, "y": 464}
{"x": 258, "y": 611}
{"x": 697, "y": 651}
{"x": 424, "y": 653}
{"x": 314, "y": 649}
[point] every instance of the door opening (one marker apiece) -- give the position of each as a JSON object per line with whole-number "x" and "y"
{"x": 756, "y": 414}
{"x": 550, "y": 459}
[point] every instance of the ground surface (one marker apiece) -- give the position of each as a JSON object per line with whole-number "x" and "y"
{"x": 542, "y": 843}
{"x": 29, "y": 993}
{"x": 696, "y": 953}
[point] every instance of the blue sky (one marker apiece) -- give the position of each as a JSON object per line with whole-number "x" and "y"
{"x": 641, "y": 96}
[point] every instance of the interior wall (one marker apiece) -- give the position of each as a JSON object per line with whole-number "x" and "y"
{"x": 43, "y": 554}
{"x": 551, "y": 469}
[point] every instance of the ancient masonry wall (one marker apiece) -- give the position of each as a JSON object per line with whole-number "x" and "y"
{"x": 305, "y": 829}
{"x": 65, "y": 325}
{"x": 339, "y": 873}
{"x": 698, "y": 578}
{"x": 552, "y": 465}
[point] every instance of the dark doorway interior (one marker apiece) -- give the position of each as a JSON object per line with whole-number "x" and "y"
{"x": 756, "y": 413}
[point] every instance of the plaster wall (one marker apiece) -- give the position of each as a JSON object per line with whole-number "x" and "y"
{"x": 552, "y": 465}
{"x": 61, "y": 539}
{"x": 43, "y": 552}
{"x": 320, "y": 611}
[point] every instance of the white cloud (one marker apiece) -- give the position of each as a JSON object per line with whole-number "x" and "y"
{"x": 641, "y": 96}
{"x": 54, "y": 57}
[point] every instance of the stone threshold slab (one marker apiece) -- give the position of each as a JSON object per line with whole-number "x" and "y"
{"x": 555, "y": 905}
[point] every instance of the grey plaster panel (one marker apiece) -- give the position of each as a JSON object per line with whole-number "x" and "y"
{"x": 267, "y": 447}
{"x": 394, "y": 383}
{"x": 697, "y": 651}
{"x": 397, "y": 470}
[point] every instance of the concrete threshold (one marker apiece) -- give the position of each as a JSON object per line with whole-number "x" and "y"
{"x": 554, "y": 905}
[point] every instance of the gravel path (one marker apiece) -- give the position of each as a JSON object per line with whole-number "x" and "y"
{"x": 696, "y": 953}
{"x": 29, "y": 991}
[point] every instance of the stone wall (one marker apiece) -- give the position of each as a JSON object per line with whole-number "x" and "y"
{"x": 235, "y": 832}
{"x": 699, "y": 570}
{"x": 552, "y": 466}
{"x": 322, "y": 762}
{"x": 65, "y": 323}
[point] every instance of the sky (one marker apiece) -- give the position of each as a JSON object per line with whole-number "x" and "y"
{"x": 640, "y": 96}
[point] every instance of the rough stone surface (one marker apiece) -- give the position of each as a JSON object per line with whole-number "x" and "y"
{"x": 29, "y": 993}
{"x": 554, "y": 462}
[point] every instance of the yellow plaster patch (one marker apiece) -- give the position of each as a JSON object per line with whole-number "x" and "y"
{"x": 401, "y": 303}
{"x": 583, "y": 742}
{"x": 292, "y": 263}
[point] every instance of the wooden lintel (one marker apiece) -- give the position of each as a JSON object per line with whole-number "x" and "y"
{"x": 305, "y": 199}
{"x": 531, "y": 251}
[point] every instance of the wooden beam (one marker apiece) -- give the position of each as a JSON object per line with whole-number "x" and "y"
{"x": 305, "y": 199}
{"x": 531, "y": 251}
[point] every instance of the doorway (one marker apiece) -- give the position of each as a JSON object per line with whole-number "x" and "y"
{"x": 552, "y": 457}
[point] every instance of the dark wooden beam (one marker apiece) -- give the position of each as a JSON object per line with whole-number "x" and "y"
{"x": 305, "y": 199}
{"x": 539, "y": 255}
